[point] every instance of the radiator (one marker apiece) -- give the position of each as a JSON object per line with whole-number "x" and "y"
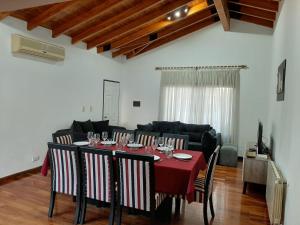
{"x": 275, "y": 193}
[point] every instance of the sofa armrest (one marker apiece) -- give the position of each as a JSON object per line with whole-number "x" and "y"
{"x": 219, "y": 139}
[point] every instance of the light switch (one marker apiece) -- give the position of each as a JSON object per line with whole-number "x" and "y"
{"x": 91, "y": 108}
{"x": 83, "y": 108}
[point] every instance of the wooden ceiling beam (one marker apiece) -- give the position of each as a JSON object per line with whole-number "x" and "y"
{"x": 196, "y": 13}
{"x": 264, "y": 5}
{"x": 200, "y": 16}
{"x": 48, "y": 14}
{"x": 77, "y": 20}
{"x": 268, "y": 15}
{"x": 222, "y": 9}
{"x": 137, "y": 23}
{"x": 252, "y": 19}
{"x": 174, "y": 36}
{"x": 137, "y": 9}
{"x": 3, "y": 15}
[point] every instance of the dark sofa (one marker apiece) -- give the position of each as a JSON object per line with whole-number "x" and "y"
{"x": 201, "y": 137}
{"x": 79, "y": 129}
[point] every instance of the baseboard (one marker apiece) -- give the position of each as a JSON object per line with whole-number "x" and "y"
{"x": 20, "y": 175}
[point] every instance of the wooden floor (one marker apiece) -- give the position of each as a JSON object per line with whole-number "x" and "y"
{"x": 25, "y": 202}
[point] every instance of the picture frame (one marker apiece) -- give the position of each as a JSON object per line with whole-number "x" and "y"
{"x": 280, "y": 89}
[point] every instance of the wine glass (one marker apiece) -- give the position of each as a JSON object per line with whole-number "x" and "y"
{"x": 90, "y": 137}
{"x": 161, "y": 141}
{"x": 131, "y": 139}
{"x": 104, "y": 135}
{"x": 123, "y": 141}
{"x": 154, "y": 144}
{"x": 96, "y": 138}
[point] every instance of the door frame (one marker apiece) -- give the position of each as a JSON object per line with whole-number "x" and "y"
{"x": 112, "y": 81}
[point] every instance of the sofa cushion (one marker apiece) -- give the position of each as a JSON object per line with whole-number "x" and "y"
{"x": 193, "y": 136}
{"x": 100, "y": 126}
{"x": 146, "y": 127}
{"x": 166, "y": 127}
{"x": 82, "y": 126}
{"x": 195, "y": 146}
{"x": 184, "y": 127}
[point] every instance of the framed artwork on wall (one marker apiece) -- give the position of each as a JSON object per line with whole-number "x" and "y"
{"x": 281, "y": 81}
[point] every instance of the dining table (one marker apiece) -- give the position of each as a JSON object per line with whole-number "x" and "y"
{"x": 172, "y": 176}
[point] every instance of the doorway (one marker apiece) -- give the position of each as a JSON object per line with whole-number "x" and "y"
{"x": 111, "y": 98}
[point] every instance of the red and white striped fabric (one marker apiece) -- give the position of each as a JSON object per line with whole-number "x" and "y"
{"x": 199, "y": 189}
{"x": 65, "y": 173}
{"x": 178, "y": 142}
{"x": 145, "y": 140}
{"x": 135, "y": 184}
{"x": 118, "y": 135}
{"x": 98, "y": 184}
{"x": 64, "y": 139}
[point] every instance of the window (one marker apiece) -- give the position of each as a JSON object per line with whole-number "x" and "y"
{"x": 193, "y": 97}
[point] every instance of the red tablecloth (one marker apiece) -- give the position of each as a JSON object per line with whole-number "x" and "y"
{"x": 172, "y": 176}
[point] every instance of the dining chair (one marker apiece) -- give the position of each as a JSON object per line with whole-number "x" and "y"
{"x": 65, "y": 174}
{"x": 181, "y": 141}
{"x": 146, "y": 138}
{"x": 119, "y": 133}
{"x": 63, "y": 137}
{"x": 136, "y": 185}
{"x": 98, "y": 181}
{"x": 204, "y": 186}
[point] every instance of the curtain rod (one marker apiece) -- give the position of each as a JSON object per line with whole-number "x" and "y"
{"x": 203, "y": 67}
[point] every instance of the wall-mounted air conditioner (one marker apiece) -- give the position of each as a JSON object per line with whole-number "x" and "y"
{"x": 24, "y": 45}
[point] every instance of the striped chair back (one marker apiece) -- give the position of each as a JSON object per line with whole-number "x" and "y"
{"x": 209, "y": 176}
{"x": 98, "y": 174}
{"x": 63, "y": 137}
{"x": 181, "y": 141}
{"x": 136, "y": 181}
{"x": 146, "y": 138}
{"x": 64, "y": 168}
{"x": 118, "y": 134}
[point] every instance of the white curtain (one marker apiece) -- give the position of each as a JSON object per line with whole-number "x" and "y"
{"x": 202, "y": 97}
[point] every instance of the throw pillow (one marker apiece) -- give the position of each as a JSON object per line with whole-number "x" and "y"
{"x": 100, "y": 126}
{"x": 146, "y": 127}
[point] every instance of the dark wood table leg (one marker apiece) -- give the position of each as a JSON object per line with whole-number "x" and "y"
{"x": 177, "y": 205}
{"x": 245, "y": 188}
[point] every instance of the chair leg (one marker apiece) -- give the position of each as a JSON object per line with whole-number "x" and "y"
{"x": 112, "y": 213}
{"x": 205, "y": 211}
{"x": 211, "y": 206}
{"x": 52, "y": 201}
{"x": 78, "y": 209}
{"x": 83, "y": 211}
{"x": 177, "y": 205}
{"x": 119, "y": 215}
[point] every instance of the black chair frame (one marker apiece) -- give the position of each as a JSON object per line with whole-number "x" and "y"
{"x": 150, "y": 159}
{"x": 74, "y": 149}
{"x": 108, "y": 153}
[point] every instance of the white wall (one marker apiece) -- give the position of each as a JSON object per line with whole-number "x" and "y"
{"x": 284, "y": 119}
{"x": 210, "y": 46}
{"x": 37, "y": 98}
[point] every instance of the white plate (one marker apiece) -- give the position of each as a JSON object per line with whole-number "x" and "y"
{"x": 182, "y": 156}
{"x": 134, "y": 145}
{"x": 108, "y": 142}
{"x": 156, "y": 158}
{"x": 81, "y": 143}
{"x": 163, "y": 149}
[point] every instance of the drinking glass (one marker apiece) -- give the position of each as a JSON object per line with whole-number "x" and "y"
{"x": 154, "y": 145}
{"x": 104, "y": 135}
{"x": 131, "y": 139}
{"x": 161, "y": 141}
{"x": 170, "y": 147}
{"x": 96, "y": 138}
{"x": 123, "y": 141}
{"x": 90, "y": 137}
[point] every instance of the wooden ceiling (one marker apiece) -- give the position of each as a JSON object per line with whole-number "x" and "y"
{"x": 133, "y": 27}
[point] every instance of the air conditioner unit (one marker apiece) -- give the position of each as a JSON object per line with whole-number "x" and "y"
{"x": 24, "y": 45}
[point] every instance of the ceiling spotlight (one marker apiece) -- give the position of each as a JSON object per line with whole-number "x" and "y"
{"x": 169, "y": 18}
{"x": 186, "y": 9}
{"x": 177, "y": 14}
